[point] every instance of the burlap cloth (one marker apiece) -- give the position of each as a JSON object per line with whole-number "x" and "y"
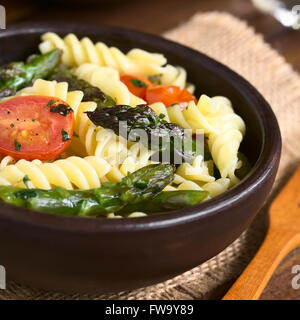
{"x": 235, "y": 44}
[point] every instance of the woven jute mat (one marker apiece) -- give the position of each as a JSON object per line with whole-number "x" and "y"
{"x": 235, "y": 44}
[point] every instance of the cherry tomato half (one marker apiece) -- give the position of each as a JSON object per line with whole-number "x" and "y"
{"x": 35, "y": 127}
{"x": 169, "y": 95}
{"x": 136, "y": 85}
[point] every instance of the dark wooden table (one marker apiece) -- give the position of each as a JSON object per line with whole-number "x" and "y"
{"x": 157, "y": 16}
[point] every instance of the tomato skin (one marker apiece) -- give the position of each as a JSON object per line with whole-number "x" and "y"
{"x": 138, "y": 89}
{"x": 29, "y": 130}
{"x": 169, "y": 95}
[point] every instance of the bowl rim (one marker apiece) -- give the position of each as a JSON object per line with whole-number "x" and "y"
{"x": 268, "y": 158}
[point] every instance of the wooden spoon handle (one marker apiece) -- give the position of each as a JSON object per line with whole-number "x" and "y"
{"x": 255, "y": 277}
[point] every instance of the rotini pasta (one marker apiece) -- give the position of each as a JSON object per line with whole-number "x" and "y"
{"x": 221, "y": 125}
{"x": 217, "y": 187}
{"x": 197, "y": 171}
{"x": 90, "y": 140}
{"x": 180, "y": 183}
{"x": 54, "y": 89}
{"x": 131, "y": 215}
{"x": 70, "y": 173}
{"x": 74, "y": 141}
{"x": 225, "y": 145}
{"x": 108, "y": 82}
{"x": 138, "y": 62}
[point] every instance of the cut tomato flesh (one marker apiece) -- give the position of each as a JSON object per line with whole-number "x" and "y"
{"x": 35, "y": 127}
{"x": 169, "y": 95}
{"x": 137, "y": 85}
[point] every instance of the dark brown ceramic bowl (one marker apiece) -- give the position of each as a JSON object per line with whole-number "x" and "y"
{"x": 100, "y": 255}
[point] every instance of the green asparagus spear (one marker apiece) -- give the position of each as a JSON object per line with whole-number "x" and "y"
{"x": 167, "y": 201}
{"x": 90, "y": 92}
{"x": 17, "y": 75}
{"x": 170, "y": 141}
{"x": 57, "y": 201}
{"x": 135, "y": 188}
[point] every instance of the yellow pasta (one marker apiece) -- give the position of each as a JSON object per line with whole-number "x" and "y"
{"x": 136, "y": 62}
{"x": 97, "y": 155}
{"x": 54, "y": 89}
{"x": 108, "y": 82}
{"x": 197, "y": 171}
{"x": 88, "y": 139}
{"x": 180, "y": 183}
{"x": 217, "y": 187}
{"x": 131, "y": 215}
{"x": 70, "y": 173}
{"x": 223, "y": 128}
{"x": 224, "y": 146}
{"x": 214, "y": 116}
{"x": 93, "y": 140}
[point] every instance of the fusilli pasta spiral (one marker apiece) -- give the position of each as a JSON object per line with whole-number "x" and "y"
{"x": 88, "y": 139}
{"x": 108, "y": 82}
{"x": 224, "y": 146}
{"x": 54, "y": 89}
{"x": 137, "y": 62}
{"x": 217, "y": 187}
{"x": 224, "y": 128}
{"x": 70, "y": 173}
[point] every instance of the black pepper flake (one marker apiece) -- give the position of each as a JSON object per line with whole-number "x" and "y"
{"x": 11, "y": 125}
{"x": 17, "y": 145}
{"x": 65, "y": 135}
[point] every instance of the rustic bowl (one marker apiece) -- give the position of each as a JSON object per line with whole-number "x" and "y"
{"x": 70, "y": 254}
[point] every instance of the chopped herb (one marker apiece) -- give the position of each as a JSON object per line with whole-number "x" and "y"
{"x": 155, "y": 79}
{"x": 26, "y": 194}
{"x": 161, "y": 116}
{"x": 11, "y": 125}
{"x": 50, "y": 102}
{"x": 62, "y": 109}
{"x": 65, "y": 135}
{"x": 138, "y": 83}
{"x": 175, "y": 185}
{"x": 140, "y": 185}
{"x": 25, "y": 180}
{"x": 17, "y": 145}
{"x": 32, "y": 120}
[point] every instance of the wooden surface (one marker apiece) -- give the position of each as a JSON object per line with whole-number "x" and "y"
{"x": 283, "y": 236}
{"x": 157, "y": 16}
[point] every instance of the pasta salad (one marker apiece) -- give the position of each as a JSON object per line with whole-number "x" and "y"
{"x": 88, "y": 130}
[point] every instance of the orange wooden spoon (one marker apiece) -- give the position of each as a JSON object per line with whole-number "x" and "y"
{"x": 282, "y": 237}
